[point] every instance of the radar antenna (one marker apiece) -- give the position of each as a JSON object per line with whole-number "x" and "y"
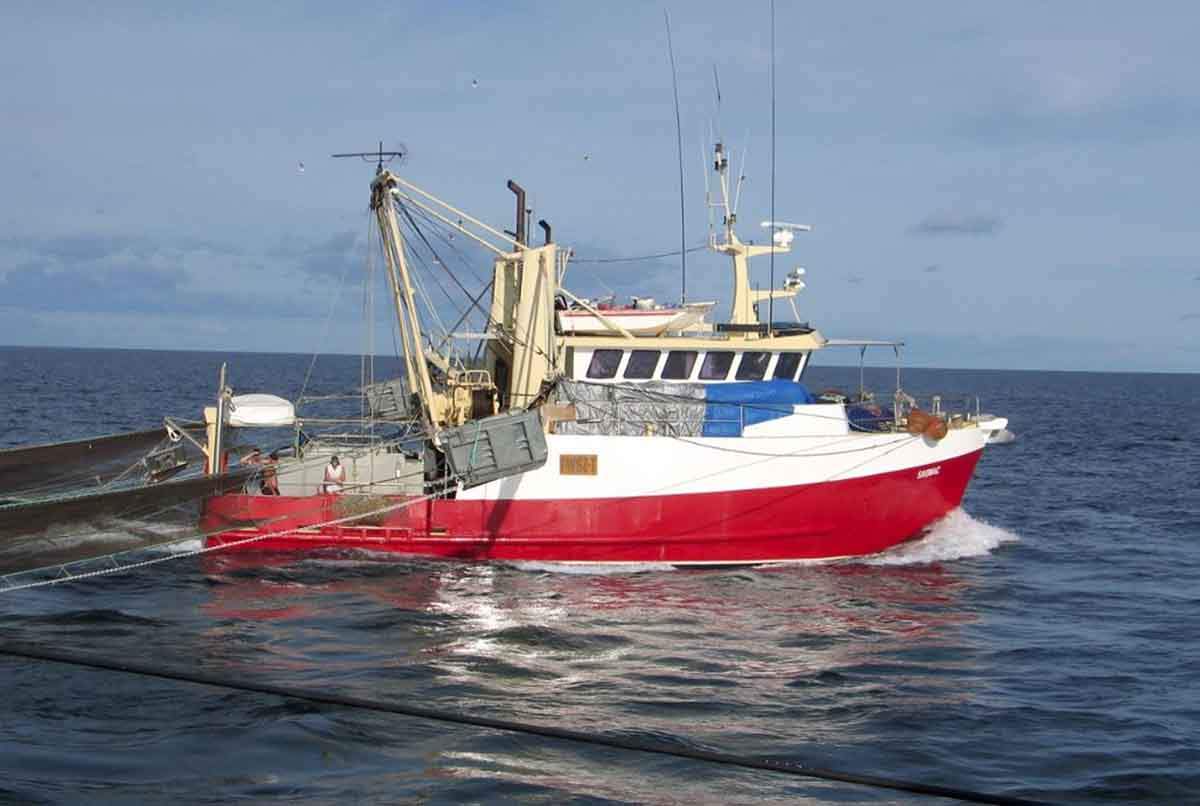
{"x": 381, "y": 157}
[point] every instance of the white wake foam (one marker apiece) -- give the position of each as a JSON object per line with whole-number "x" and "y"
{"x": 184, "y": 545}
{"x": 954, "y": 537}
{"x": 602, "y": 569}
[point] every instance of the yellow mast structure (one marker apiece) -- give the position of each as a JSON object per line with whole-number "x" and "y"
{"x": 399, "y": 281}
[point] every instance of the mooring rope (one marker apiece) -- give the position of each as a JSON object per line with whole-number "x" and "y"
{"x": 89, "y": 660}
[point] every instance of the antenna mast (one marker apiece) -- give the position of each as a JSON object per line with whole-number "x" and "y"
{"x": 679, "y": 148}
{"x": 771, "y": 299}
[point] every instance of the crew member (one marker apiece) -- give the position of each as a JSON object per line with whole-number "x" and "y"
{"x": 270, "y": 479}
{"x": 335, "y": 477}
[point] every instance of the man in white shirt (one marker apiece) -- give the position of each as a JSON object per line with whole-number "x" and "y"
{"x": 335, "y": 477}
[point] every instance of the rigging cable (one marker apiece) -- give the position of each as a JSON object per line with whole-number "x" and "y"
{"x": 442, "y": 230}
{"x": 67, "y": 576}
{"x": 639, "y": 257}
{"x": 146, "y": 512}
{"x": 91, "y": 660}
{"x": 473, "y": 300}
{"x": 437, "y": 258}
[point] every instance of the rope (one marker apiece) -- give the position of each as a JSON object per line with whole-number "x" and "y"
{"x": 906, "y": 439}
{"x": 114, "y": 557}
{"x": 89, "y": 660}
{"x": 152, "y": 510}
{"x": 69, "y": 577}
{"x": 639, "y": 257}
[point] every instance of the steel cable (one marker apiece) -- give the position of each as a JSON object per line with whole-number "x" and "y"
{"x": 27, "y": 651}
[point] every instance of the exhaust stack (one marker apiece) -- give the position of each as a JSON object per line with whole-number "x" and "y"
{"x": 520, "y": 191}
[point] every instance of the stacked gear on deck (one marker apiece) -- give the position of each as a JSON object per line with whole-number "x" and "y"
{"x": 676, "y": 409}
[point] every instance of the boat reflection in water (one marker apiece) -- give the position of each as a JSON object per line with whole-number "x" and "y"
{"x": 770, "y": 660}
{"x": 778, "y": 623}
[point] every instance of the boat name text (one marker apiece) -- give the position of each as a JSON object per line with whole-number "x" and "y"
{"x": 577, "y": 464}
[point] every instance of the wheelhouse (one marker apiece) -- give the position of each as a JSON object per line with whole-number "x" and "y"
{"x": 684, "y": 364}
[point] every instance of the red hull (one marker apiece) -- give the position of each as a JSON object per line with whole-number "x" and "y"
{"x": 853, "y": 517}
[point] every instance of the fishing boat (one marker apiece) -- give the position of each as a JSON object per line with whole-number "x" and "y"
{"x": 599, "y": 442}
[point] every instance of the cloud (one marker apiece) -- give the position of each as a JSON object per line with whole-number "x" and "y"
{"x": 1190, "y": 317}
{"x": 954, "y": 224}
{"x": 127, "y": 274}
{"x": 1130, "y": 121}
{"x": 932, "y": 268}
{"x": 338, "y": 256}
{"x": 854, "y": 279}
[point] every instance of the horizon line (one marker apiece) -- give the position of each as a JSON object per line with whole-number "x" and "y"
{"x": 890, "y": 365}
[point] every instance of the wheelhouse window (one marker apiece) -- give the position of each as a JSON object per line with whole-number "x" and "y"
{"x": 604, "y": 364}
{"x": 753, "y": 366}
{"x": 786, "y": 366}
{"x": 716, "y": 366}
{"x": 678, "y": 366}
{"x": 642, "y": 364}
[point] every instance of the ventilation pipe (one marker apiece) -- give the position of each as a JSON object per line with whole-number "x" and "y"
{"x": 545, "y": 229}
{"x": 520, "y": 191}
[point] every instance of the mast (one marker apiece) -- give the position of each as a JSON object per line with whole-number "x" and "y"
{"x": 415, "y": 365}
{"x": 214, "y": 422}
{"x": 521, "y": 324}
{"x": 744, "y": 296}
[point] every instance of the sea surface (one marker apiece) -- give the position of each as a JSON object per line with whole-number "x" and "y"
{"x": 1043, "y": 642}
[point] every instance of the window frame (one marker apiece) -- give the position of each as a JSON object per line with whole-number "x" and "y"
{"x": 762, "y": 374}
{"x": 691, "y": 365}
{"x": 592, "y": 363}
{"x": 729, "y": 355}
{"x": 633, "y": 354}
{"x": 799, "y": 356}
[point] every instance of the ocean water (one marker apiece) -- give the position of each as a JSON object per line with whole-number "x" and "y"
{"x": 1043, "y": 641}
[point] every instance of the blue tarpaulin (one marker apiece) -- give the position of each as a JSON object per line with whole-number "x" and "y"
{"x": 730, "y": 406}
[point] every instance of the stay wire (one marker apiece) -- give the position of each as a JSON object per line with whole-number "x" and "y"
{"x": 473, "y": 300}
{"x": 32, "y": 652}
{"x": 436, "y": 257}
{"x": 639, "y": 257}
{"x": 441, "y": 231}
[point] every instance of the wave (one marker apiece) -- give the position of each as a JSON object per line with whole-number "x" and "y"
{"x": 603, "y": 569}
{"x": 957, "y": 536}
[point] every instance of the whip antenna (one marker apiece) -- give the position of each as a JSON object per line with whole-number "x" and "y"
{"x": 679, "y": 149}
{"x": 771, "y": 299}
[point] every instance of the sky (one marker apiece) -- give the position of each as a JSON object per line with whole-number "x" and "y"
{"x": 999, "y": 185}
